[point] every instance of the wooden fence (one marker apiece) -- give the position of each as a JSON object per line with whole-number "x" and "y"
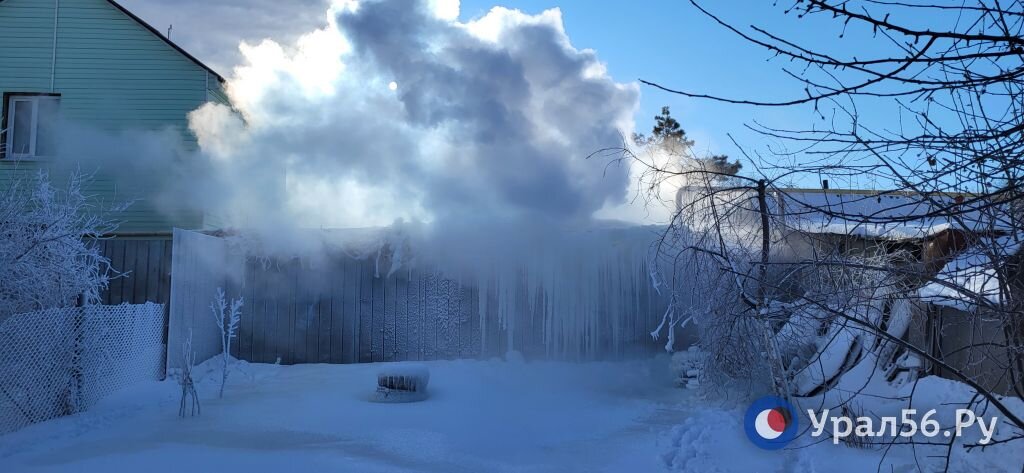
{"x": 343, "y": 312}
{"x": 333, "y": 308}
{"x": 146, "y": 267}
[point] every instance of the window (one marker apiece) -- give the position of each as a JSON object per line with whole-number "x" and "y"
{"x": 30, "y": 121}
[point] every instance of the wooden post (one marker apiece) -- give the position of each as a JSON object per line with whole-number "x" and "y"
{"x": 779, "y": 376}
{"x": 762, "y": 203}
{"x": 76, "y": 401}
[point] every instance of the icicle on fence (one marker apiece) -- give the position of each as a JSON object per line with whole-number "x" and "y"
{"x": 592, "y": 301}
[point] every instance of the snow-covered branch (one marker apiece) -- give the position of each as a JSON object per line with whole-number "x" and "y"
{"x": 227, "y": 317}
{"x": 48, "y": 253}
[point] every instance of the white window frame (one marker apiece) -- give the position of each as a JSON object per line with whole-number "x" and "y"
{"x": 9, "y": 132}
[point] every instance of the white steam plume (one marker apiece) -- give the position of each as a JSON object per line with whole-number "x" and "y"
{"x": 398, "y": 110}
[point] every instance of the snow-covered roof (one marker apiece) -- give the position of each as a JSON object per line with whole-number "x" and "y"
{"x": 972, "y": 275}
{"x": 895, "y": 215}
{"x": 877, "y": 214}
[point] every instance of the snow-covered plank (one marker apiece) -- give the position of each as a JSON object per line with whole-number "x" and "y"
{"x": 388, "y": 336}
{"x": 334, "y": 302}
{"x": 350, "y": 308}
{"x": 324, "y": 320}
{"x": 415, "y": 298}
{"x": 378, "y": 299}
{"x": 116, "y": 256}
{"x": 401, "y": 316}
{"x": 365, "y": 312}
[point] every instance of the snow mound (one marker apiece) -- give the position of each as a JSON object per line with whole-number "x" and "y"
{"x": 699, "y": 442}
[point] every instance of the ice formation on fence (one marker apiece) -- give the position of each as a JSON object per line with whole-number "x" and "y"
{"x": 584, "y": 294}
{"x": 590, "y": 294}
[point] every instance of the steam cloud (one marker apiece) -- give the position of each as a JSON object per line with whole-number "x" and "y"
{"x": 396, "y": 110}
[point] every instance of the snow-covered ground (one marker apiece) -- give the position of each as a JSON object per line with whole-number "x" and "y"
{"x": 482, "y": 416}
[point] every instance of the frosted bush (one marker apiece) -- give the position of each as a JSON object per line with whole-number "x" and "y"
{"x": 49, "y": 255}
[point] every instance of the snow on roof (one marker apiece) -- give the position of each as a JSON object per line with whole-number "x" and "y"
{"x": 886, "y": 214}
{"x": 972, "y": 275}
{"x": 872, "y": 214}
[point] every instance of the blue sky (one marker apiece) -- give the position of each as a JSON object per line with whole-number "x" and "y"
{"x": 674, "y": 44}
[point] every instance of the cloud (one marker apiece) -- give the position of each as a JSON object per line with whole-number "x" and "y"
{"x": 490, "y": 122}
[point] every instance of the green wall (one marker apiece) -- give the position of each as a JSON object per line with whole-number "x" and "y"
{"x": 112, "y": 73}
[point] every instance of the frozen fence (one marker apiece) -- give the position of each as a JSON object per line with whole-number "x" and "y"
{"x": 61, "y": 361}
{"x": 594, "y": 300}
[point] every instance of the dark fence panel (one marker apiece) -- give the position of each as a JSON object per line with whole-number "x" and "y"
{"x": 143, "y": 270}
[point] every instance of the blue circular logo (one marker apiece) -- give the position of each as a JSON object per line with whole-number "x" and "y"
{"x": 770, "y": 423}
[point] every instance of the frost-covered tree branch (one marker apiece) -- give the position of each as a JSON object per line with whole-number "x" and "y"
{"x": 48, "y": 251}
{"x": 189, "y": 403}
{"x": 227, "y": 317}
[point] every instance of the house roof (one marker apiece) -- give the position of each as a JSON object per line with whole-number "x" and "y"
{"x": 892, "y": 215}
{"x": 166, "y": 39}
{"x": 974, "y": 275}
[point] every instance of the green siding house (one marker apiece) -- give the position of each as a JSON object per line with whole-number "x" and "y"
{"x": 94, "y": 62}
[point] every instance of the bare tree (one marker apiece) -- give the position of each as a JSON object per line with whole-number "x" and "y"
{"x": 951, "y": 161}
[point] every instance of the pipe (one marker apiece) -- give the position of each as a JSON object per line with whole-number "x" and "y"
{"x": 53, "y": 58}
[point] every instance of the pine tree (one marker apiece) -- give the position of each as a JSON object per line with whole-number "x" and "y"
{"x": 668, "y": 135}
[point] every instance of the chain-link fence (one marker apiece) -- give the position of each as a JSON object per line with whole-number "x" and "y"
{"x": 61, "y": 361}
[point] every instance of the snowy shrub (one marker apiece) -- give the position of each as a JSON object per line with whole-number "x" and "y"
{"x": 227, "y": 317}
{"x": 768, "y": 321}
{"x": 706, "y": 270}
{"x": 687, "y": 367}
{"x": 48, "y": 253}
{"x": 189, "y": 397}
